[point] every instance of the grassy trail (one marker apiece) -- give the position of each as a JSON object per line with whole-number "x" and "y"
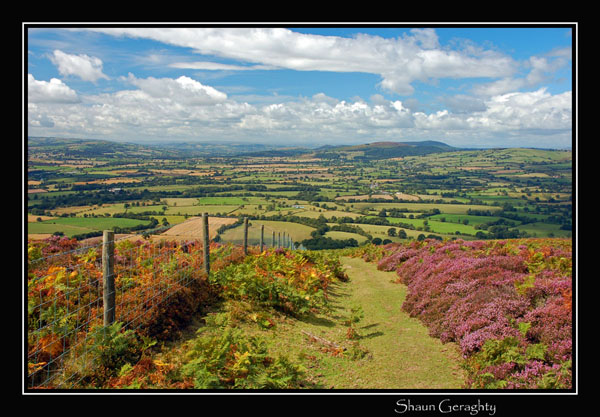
{"x": 403, "y": 355}
{"x": 399, "y": 352}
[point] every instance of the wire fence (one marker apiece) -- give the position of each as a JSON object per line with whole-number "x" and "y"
{"x": 75, "y": 293}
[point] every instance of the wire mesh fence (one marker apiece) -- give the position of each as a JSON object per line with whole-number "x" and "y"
{"x": 74, "y": 292}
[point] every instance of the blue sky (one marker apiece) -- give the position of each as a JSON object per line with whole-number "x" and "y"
{"x": 466, "y": 86}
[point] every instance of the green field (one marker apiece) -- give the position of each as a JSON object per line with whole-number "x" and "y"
{"x": 543, "y": 230}
{"x": 507, "y": 183}
{"x": 459, "y": 218}
{"x": 437, "y": 226}
{"x": 71, "y": 226}
{"x": 217, "y": 201}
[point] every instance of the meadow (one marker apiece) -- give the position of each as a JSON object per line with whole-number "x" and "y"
{"x": 72, "y": 226}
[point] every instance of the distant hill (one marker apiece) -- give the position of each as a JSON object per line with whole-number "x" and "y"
{"x": 383, "y": 150}
{"x": 95, "y": 148}
{"x": 92, "y": 148}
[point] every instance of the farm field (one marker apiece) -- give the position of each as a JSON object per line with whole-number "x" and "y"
{"x": 483, "y": 194}
{"x": 191, "y": 229}
{"x": 72, "y": 226}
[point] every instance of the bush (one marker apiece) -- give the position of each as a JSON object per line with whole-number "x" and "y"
{"x": 231, "y": 360}
{"x": 291, "y": 282}
{"x": 104, "y": 352}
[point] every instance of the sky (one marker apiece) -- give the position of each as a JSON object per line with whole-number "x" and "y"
{"x": 479, "y": 87}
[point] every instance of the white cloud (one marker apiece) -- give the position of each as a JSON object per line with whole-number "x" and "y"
{"x": 426, "y": 37}
{"x": 532, "y": 110}
{"x": 183, "y": 90}
{"x": 399, "y": 62}
{"x": 88, "y": 68}
{"x": 513, "y": 112}
{"x": 185, "y": 109}
{"x": 464, "y": 104}
{"x": 541, "y": 70}
{"x": 53, "y": 91}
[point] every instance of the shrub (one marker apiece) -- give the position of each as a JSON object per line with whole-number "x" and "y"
{"x": 292, "y": 282}
{"x": 102, "y": 354}
{"x": 231, "y": 360}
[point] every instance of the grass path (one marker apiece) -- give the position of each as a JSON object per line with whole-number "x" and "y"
{"x": 400, "y": 354}
{"x": 403, "y": 355}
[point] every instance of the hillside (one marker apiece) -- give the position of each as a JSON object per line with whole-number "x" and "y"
{"x": 289, "y": 319}
{"x": 95, "y": 148}
{"x": 384, "y": 150}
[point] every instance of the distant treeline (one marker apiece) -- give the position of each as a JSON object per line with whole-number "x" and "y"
{"x": 104, "y": 194}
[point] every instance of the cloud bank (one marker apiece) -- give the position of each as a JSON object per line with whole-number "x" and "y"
{"x": 182, "y": 108}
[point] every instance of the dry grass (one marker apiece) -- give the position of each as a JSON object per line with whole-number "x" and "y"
{"x": 191, "y": 229}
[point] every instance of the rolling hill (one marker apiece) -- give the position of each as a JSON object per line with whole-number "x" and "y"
{"x": 90, "y": 148}
{"x": 383, "y": 150}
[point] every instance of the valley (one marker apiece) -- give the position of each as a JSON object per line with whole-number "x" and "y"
{"x": 385, "y": 191}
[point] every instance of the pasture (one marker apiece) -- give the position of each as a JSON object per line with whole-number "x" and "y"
{"x": 72, "y": 226}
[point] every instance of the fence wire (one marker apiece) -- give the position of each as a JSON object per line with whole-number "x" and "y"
{"x": 65, "y": 300}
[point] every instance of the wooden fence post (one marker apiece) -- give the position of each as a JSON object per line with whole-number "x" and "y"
{"x": 278, "y": 239}
{"x": 262, "y": 236}
{"x": 245, "y": 235}
{"x": 273, "y": 241}
{"x": 108, "y": 276}
{"x": 206, "y": 245}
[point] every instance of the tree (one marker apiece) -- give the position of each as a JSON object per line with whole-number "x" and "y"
{"x": 391, "y": 231}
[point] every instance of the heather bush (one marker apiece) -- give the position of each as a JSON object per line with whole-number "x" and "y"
{"x": 507, "y": 304}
